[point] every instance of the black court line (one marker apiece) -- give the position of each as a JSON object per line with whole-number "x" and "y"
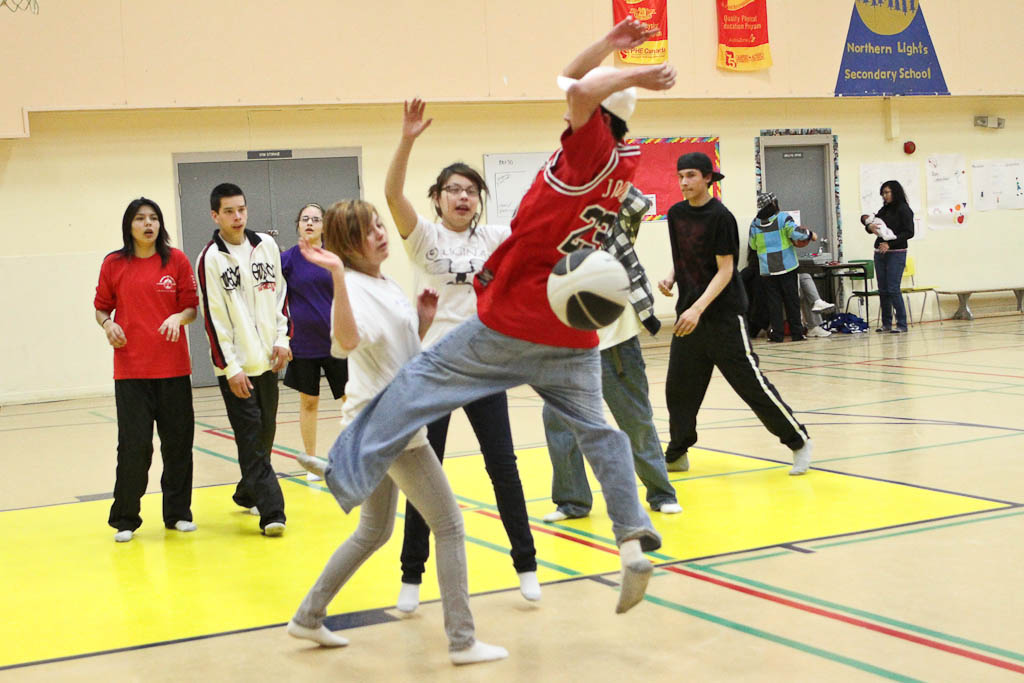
{"x": 796, "y": 548}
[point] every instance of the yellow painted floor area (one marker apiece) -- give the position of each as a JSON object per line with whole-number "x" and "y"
{"x": 69, "y": 590}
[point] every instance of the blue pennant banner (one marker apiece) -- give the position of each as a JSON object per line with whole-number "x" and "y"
{"x": 889, "y": 51}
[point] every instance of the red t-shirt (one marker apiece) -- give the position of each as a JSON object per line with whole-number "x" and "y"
{"x": 572, "y": 203}
{"x": 142, "y": 292}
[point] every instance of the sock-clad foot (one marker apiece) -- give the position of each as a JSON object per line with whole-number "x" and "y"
{"x": 185, "y": 525}
{"x": 681, "y": 464}
{"x": 312, "y": 464}
{"x": 254, "y": 511}
{"x": 408, "y": 598}
{"x": 313, "y": 477}
{"x": 636, "y": 572}
{"x": 802, "y": 458}
{"x": 478, "y": 652}
{"x": 529, "y": 586}
{"x": 670, "y": 508}
{"x": 274, "y": 529}
{"x": 124, "y": 536}
{"x": 322, "y": 635}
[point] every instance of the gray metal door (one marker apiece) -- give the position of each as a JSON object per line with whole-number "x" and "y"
{"x": 798, "y": 176}
{"x": 274, "y": 191}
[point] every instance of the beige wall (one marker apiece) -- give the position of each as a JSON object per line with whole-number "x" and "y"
{"x": 62, "y": 192}
{"x": 194, "y": 53}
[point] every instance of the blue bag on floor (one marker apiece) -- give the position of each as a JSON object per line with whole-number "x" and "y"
{"x": 846, "y": 323}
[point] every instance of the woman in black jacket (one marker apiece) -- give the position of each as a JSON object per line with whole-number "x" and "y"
{"x": 891, "y": 255}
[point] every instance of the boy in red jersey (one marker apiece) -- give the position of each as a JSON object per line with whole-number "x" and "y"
{"x": 516, "y": 338}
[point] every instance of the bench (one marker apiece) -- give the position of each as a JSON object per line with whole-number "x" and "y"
{"x": 964, "y": 311}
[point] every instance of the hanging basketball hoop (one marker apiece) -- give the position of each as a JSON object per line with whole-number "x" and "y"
{"x": 17, "y": 5}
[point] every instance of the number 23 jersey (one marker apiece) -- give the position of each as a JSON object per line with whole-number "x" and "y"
{"x": 571, "y": 204}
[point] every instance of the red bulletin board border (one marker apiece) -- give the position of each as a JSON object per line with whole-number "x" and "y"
{"x": 656, "y": 173}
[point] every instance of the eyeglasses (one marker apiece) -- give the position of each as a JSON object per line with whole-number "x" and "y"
{"x": 458, "y": 189}
{"x": 311, "y": 219}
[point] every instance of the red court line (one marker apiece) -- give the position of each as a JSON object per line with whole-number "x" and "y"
{"x": 231, "y": 438}
{"x": 959, "y": 372}
{"x": 927, "y": 642}
{"x": 557, "y": 534}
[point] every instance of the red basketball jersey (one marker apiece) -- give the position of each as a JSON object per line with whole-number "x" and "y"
{"x": 572, "y": 203}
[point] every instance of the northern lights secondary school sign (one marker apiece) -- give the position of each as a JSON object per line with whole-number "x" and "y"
{"x": 888, "y": 51}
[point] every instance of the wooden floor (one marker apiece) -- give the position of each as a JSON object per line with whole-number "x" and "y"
{"x": 898, "y": 557}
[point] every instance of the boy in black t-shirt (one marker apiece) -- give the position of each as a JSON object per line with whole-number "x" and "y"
{"x": 710, "y": 330}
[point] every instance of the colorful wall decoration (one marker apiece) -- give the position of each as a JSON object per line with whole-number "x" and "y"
{"x": 743, "y": 35}
{"x": 889, "y": 51}
{"x": 656, "y": 175}
{"x": 653, "y": 13}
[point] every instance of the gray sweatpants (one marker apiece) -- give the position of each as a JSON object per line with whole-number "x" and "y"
{"x": 808, "y": 295}
{"x": 417, "y": 472}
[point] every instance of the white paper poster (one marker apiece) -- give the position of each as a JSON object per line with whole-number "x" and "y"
{"x": 908, "y": 174}
{"x": 997, "y": 184}
{"x": 947, "y": 191}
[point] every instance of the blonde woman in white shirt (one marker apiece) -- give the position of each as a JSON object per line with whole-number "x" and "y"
{"x": 374, "y": 325}
{"x": 447, "y": 251}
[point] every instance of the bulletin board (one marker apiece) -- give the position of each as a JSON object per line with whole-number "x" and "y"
{"x": 656, "y": 175}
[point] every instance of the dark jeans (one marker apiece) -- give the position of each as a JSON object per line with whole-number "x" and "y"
{"x": 889, "y": 273}
{"x": 254, "y": 421}
{"x": 140, "y": 402}
{"x": 721, "y": 341}
{"x": 489, "y": 419}
{"x": 782, "y": 293}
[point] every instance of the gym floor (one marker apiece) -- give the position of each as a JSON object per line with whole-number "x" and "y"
{"x": 893, "y": 558}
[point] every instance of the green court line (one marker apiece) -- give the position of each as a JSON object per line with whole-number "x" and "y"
{"x": 102, "y": 416}
{"x": 706, "y": 569}
{"x": 596, "y": 537}
{"x": 915, "y": 531}
{"x": 920, "y": 448}
{"x": 781, "y": 640}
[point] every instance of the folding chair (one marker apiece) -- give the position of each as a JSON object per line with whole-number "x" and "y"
{"x": 863, "y": 296}
{"x": 908, "y": 274}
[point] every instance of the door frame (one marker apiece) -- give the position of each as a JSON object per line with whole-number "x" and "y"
{"x": 810, "y": 137}
{"x": 259, "y": 156}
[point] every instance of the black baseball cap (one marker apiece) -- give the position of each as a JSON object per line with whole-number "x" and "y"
{"x": 701, "y": 162}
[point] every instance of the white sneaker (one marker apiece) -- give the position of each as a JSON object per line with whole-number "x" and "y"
{"x": 529, "y": 586}
{"x": 123, "y": 536}
{"x": 802, "y": 459}
{"x": 821, "y": 305}
{"x": 185, "y": 525}
{"x": 670, "y": 508}
{"x": 818, "y": 331}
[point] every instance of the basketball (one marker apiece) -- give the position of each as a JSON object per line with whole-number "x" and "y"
{"x": 799, "y": 244}
{"x": 588, "y": 289}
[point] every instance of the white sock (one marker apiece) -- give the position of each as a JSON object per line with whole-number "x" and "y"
{"x": 273, "y": 529}
{"x": 479, "y": 652}
{"x": 323, "y": 635}
{"x": 313, "y": 477}
{"x": 408, "y": 598}
{"x": 636, "y": 572}
{"x": 670, "y": 508}
{"x": 185, "y": 525}
{"x": 556, "y": 516}
{"x": 254, "y": 511}
{"x": 529, "y": 586}
{"x": 123, "y": 536}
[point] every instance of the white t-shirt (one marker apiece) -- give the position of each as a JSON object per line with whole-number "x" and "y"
{"x": 625, "y": 328}
{"x": 388, "y": 337}
{"x": 448, "y": 261}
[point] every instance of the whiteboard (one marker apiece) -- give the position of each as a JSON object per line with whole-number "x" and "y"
{"x": 873, "y": 175}
{"x": 509, "y": 176}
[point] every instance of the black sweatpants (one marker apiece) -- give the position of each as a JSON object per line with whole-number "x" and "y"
{"x": 254, "y": 421}
{"x": 783, "y": 294}
{"x": 140, "y": 402}
{"x": 489, "y": 419}
{"x": 721, "y": 341}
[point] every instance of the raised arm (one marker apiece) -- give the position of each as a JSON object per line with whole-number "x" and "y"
{"x": 586, "y": 94}
{"x": 402, "y": 210}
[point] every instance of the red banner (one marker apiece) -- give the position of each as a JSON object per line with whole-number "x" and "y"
{"x": 743, "y": 35}
{"x": 653, "y": 13}
{"x": 656, "y": 174}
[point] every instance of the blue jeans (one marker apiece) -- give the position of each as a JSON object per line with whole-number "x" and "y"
{"x": 624, "y": 386}
{"x": 889, "y": 273}
{"x": 473, "y": 361}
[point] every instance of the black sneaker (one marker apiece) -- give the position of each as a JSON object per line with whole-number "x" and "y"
{"x": 896, "y": 330}
{"x": 884, "y": 329}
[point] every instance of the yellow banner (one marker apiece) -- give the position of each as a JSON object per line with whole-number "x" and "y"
{"x": 653, "y": 13}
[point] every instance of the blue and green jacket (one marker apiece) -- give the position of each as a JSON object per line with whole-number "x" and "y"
{"x": 773, "y": 241}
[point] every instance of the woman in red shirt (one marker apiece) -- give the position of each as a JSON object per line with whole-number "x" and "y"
{"x": 146, "y": 293}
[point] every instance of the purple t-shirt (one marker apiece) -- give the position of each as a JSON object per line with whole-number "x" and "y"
{"x": 310, "y": 293}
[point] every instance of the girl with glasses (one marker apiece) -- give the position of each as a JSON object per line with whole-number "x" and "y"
{"x": 310, "y": 292}
{"x": 447, "y": 253}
